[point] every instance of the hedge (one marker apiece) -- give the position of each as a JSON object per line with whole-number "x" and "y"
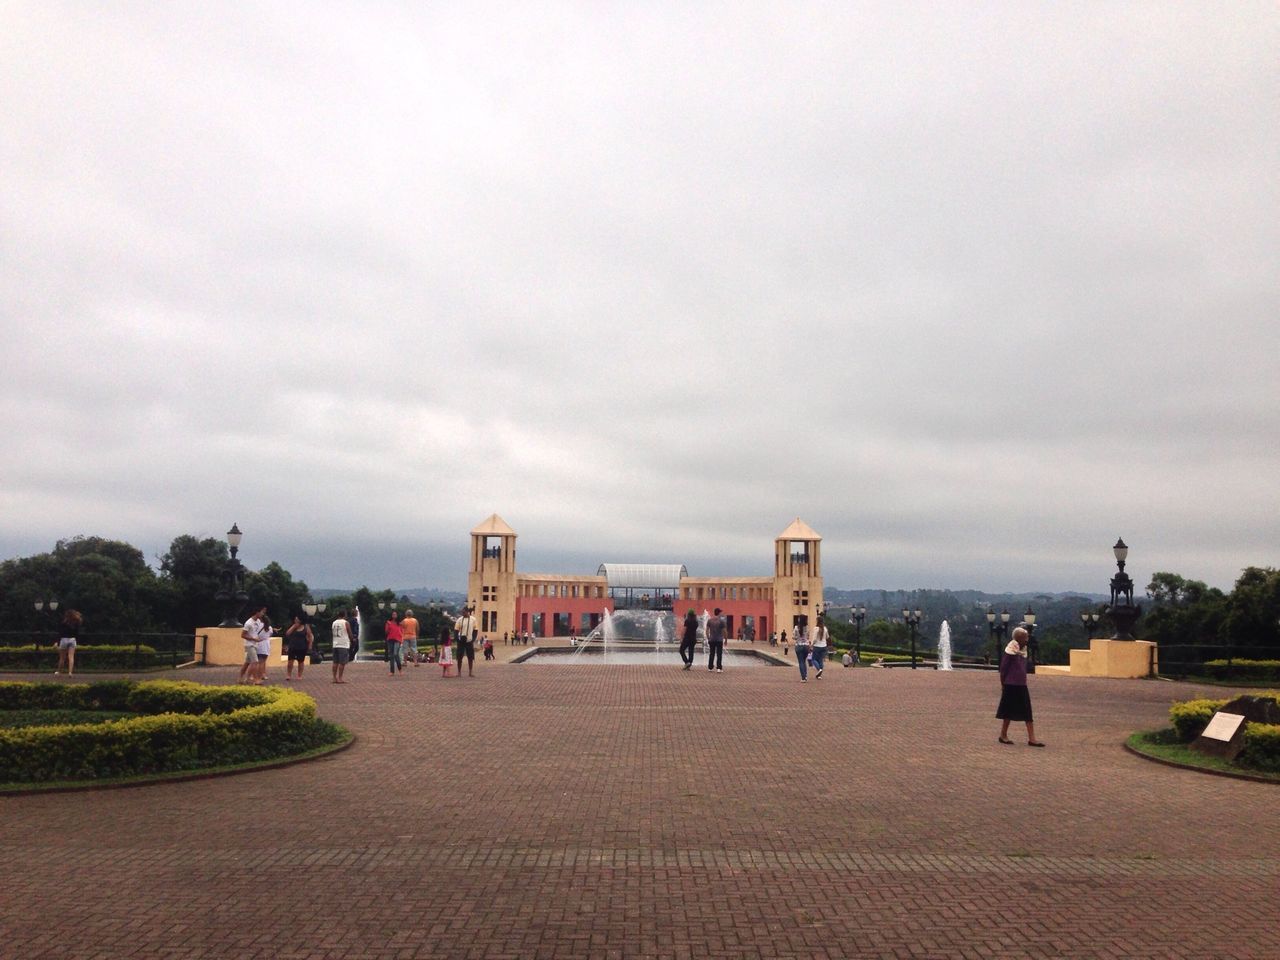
{"x": 1264, "y": 671}
{"x": 1261, "y": 749}
{"x": 104, "y": 656}
{"x": 199, "y": 726}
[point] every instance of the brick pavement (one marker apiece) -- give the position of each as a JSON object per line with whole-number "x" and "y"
{"x": 617, "y": 812}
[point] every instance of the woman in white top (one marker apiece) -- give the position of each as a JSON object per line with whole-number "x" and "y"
{"x": 818, "y": 646}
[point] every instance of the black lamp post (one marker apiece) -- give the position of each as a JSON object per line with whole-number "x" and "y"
{"x": 41, "y": 605}
{"x": 858, "y": 613}
{"x": 1124, "y": 614}
{"x": 1089, "y": 621}
{"x": 998, "y": 630}
{"x": 231, "y": 591}
{"x": 912, "y": 618}
{"x": 1033, "y": 645}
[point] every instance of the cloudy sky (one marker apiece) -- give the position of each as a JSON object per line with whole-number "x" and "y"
{"x": 972, "y": 288}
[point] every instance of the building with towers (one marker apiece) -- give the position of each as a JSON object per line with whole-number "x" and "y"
{"x": 507, "y": 601}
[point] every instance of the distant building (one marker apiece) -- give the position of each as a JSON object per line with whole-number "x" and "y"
{"x": 558, "y": 604}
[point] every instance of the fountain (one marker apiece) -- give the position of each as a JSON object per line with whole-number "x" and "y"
{"x": 944, "y": 646}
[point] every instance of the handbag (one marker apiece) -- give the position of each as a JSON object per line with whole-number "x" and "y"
{"x": 317, "y": 656}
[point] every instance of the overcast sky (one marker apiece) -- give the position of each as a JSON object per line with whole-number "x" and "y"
{"x": 972, "y": 288}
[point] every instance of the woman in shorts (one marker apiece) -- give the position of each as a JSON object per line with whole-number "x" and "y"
{"x": 68, "y": 633}
{"x": 298, "y": 640}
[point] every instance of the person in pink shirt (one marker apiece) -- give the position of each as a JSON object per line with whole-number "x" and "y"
{"x": 394, "y": 637}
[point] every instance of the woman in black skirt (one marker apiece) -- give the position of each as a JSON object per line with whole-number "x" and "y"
{"x": 1015, "y": 701}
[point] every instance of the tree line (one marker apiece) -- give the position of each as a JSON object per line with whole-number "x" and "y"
{"x": 111, "y": 583}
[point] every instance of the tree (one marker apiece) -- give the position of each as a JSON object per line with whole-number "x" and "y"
{"x": 274, "y": 587}
{"x": 191, "y": 570}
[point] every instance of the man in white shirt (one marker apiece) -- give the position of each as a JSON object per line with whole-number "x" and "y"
{"x": 341, "y": 646}
{"x": 465, "y": 630}
{"x": 249, "y": 634}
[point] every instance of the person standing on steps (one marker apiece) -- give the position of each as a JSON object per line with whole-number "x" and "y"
{"x": 715, "y": 642}
{"x": 688, "y": 638}
{"x": 1015, "y": 700}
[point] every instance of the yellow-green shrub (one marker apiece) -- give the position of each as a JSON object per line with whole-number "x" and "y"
{"x": 199, "y": 726}
{"x": 1190, "y": 717}
{"x": 1261, "y": 747}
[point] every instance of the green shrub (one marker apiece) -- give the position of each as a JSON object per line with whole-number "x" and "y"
{"x": 200, "y": 726}
{"x": 1261, "y": 671}
{"x": 100, "y": 657}
{"x": 1190, "y": 717}
{"x": 1261, "y": 747}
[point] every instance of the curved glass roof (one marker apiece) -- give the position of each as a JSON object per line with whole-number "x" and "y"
{"x": 661, "y": 576}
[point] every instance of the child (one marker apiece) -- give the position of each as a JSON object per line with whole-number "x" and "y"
{"x": 446, "y": 658}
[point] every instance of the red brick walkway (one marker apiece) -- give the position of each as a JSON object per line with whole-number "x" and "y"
{"x": 587, "y": 811}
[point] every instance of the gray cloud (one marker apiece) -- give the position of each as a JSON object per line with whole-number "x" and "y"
{"x": 973, "y": 290}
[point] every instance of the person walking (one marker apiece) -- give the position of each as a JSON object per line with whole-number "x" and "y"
{"x": 715, "y": 642}
{"x": 68, "y": 634}
{"x": 466, "y": 630}
{"x": 264, "y": 648}
{"x": 1015, "y": 700}
{"x": 341, "y": 646}
{"x": 818, "y": 646}
{"x": 249, "y": 634}
{"x": 393, "y": 636}
{"x": 298, "y": 641}
{"x": 688, "y": 638}
{"x": 784, "y": 643}
{"x": 410, "y": 627}
{"x": 802, "y": 651}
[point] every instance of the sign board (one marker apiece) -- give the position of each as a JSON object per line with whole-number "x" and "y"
{"x": 1223, "y": 726}
{"x": 1223, "y": 737}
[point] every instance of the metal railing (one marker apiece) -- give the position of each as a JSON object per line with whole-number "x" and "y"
{"x": 164, "y": 649}
{"x": 1181, "y": 660}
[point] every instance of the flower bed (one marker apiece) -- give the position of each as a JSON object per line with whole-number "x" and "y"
{"x": 1261, "y": 750}
{"x": 180, "y": 726}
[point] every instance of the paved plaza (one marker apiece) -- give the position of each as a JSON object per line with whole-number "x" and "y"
{"x": 594, "y": 811}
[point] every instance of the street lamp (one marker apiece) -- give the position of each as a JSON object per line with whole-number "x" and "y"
{"x": 912, "y": 618}
{"x": 1124, "y": 614}
{"x": 1089, "y": 621}
{"x": 858, "y": 613}
{"x": 998, "y": 630}
{"x": 1033, "y": 645}
{"x": 40, "y": 605}
{"x": 231, "y": 589}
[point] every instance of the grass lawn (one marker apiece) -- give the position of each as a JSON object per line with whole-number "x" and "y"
{"x": 1165, "y": 746}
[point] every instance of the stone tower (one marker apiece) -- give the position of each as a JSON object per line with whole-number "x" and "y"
{"x": 797, "y": 577}
{"x": 491, "y": 582}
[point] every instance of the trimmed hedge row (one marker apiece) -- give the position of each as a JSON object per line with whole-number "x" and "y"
{"x": 105, "y": 656}
{"x": 1261, "y": 749}
{"x": 182, "y": 726}
{"x": 1263, "y": 671}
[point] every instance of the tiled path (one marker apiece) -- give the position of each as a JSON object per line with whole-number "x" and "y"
{"x": 587, "y": 811}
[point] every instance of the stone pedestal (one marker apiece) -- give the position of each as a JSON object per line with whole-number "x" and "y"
{"x": 225, "y": 646}
{"x": 1120, "y": 659}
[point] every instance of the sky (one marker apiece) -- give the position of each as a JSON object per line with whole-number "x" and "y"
{"x": 973, "y": 289}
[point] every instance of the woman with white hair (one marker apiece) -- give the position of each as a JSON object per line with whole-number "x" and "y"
{"x": 1015, "y": 701}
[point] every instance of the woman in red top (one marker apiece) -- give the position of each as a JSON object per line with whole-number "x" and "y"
{"x": 394, "y": 637}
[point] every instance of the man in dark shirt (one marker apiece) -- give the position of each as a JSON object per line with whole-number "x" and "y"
{"x": 715, "y": 642}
